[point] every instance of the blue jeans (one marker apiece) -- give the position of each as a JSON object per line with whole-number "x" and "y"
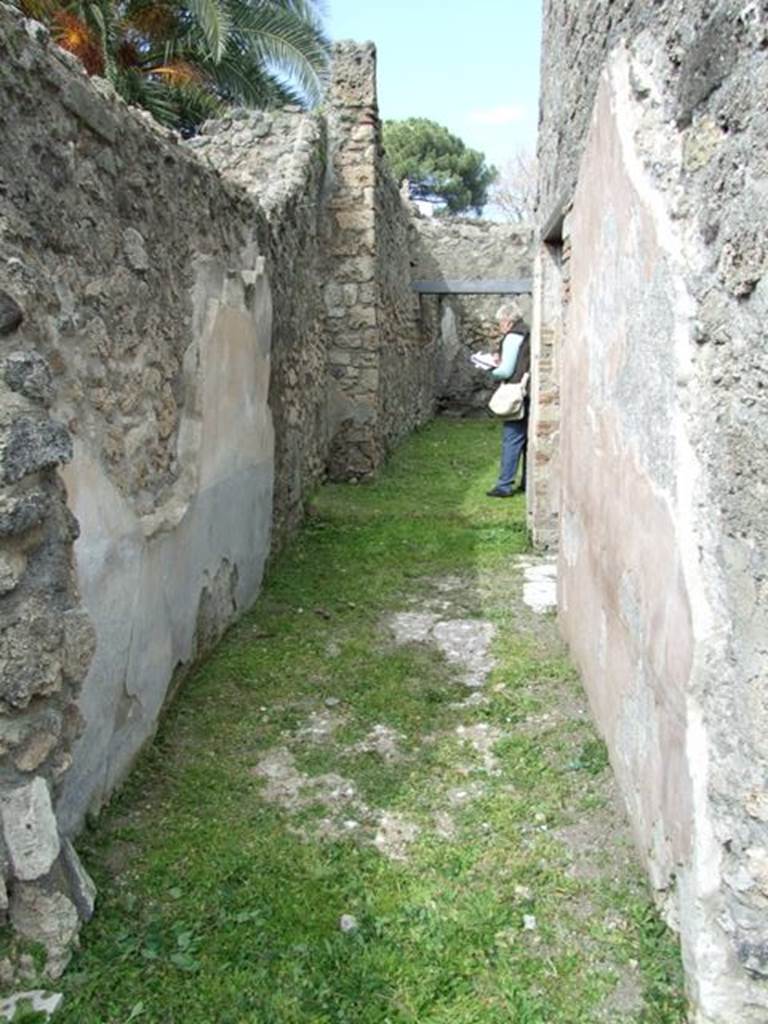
{"x": 513, "y": 443}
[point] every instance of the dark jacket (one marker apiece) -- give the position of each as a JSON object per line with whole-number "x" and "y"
{"x": 523, "y": 361}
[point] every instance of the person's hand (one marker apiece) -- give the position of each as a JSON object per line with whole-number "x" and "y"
{"x": 496, "y": 359}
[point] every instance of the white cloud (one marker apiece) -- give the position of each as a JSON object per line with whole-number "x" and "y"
{"x": 498, "y": 115}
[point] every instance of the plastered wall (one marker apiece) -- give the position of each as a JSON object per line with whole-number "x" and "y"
{"x": 657, "y": 158}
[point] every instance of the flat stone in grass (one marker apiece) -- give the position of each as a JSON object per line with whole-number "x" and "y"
{"x": 465, "y": 643}
{"x": 382, "y": 741}
{"x": 37, "y": 1000}
{"x": 482, "y": 737}
{"x": 320, "y": 726}
{"x": 412, "y": 627}
{"x": 540, "y": 584}
{"x": 394, "y": 836}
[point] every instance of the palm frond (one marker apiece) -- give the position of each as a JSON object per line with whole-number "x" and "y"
{"x": 136, "y": 87}
{"x": 280, "y": 39}
{"x": 101, "y": 14}
{"x": 240, "y": 78}
{"x": 215, "y": 22}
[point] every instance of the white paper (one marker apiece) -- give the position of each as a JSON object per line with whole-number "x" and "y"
{"x": 484, "y": 360}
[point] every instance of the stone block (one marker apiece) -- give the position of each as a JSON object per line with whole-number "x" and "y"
{"x": 361, "y": 316}
{"x": 48, "y": 918}
{"x": 12, "y": 566}
{"x": 11, "y": 313}
{"x": 135, "y": 250}
{"x": 356, "y": 269}
{"x": 32, "y": 445}
{"x": 355, "y": 220}
{"x": 30, "y": 658}
{"x": 30, "y": 830}
{"x": 85, "y": 104}
{"x": 701, "y": 143}
{"x": 358, "y": 176}
{"x": 353, "y": 82}
{"x": 35, "y": 751}
{"x": 29, "y": 374}
{"x": 21, "y": 513}
{"x": 37, "y": 1000}
{"x": 743, "y": 261}
{"x": 81, "y": 886}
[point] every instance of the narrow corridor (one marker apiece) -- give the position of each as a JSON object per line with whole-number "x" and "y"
{"x": 381, "y": 800}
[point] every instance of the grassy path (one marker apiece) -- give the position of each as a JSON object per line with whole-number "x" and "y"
{"x": 380, "y": 801}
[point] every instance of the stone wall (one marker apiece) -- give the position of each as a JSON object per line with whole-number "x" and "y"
{"x": 135, "y": 347}
{"x": 191, "y": 336}
{"x": 350, "y": 294}
{"x": 406, "y": 396}
{"x": 380, "y": 364}
{"x": 463, "y": 249}
{"x": 654, "y": 148}
{"x": 279, "y": 159}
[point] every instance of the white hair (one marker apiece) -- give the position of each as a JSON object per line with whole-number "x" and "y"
{"x": 509, "y": 311}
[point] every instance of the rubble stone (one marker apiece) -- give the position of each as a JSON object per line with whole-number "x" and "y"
{"x": 32, "y": 445}
{"x": 81, "y": 886}
{"x": 11, "y": 313}
{"x": 50, "y": 919}
{"x": 29, "y": 373}
{"x": 30, "y": 830}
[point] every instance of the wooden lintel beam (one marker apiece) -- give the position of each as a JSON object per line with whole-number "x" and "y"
{"x": 509, "y": 286}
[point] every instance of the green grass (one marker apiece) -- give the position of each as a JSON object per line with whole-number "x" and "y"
{"x": 217, "y": 906}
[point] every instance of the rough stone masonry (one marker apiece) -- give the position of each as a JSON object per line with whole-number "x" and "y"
{"x": 651, "y": 442}
{"x": 192, "y": 336}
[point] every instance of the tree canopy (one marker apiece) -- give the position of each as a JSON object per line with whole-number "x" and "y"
{"x": 439, "y": 166}
{"x": 184, "y": 60}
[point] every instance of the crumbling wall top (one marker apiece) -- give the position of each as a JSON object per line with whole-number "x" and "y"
{"x": 353, "y": 75}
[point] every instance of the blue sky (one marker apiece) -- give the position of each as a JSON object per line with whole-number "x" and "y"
{"x": 473, "y": 67}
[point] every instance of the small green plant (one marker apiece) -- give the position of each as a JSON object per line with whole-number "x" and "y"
{"x": 593, "y": 757}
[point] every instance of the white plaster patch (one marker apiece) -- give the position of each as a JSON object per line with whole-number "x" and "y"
{"x": 571, "y": 537}
{"x": 602, "y": 640}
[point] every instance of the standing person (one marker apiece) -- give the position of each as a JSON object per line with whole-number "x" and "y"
{"x": 514, "y": 363}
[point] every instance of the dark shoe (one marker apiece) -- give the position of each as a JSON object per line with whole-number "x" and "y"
{"x": 496, "y": 493}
